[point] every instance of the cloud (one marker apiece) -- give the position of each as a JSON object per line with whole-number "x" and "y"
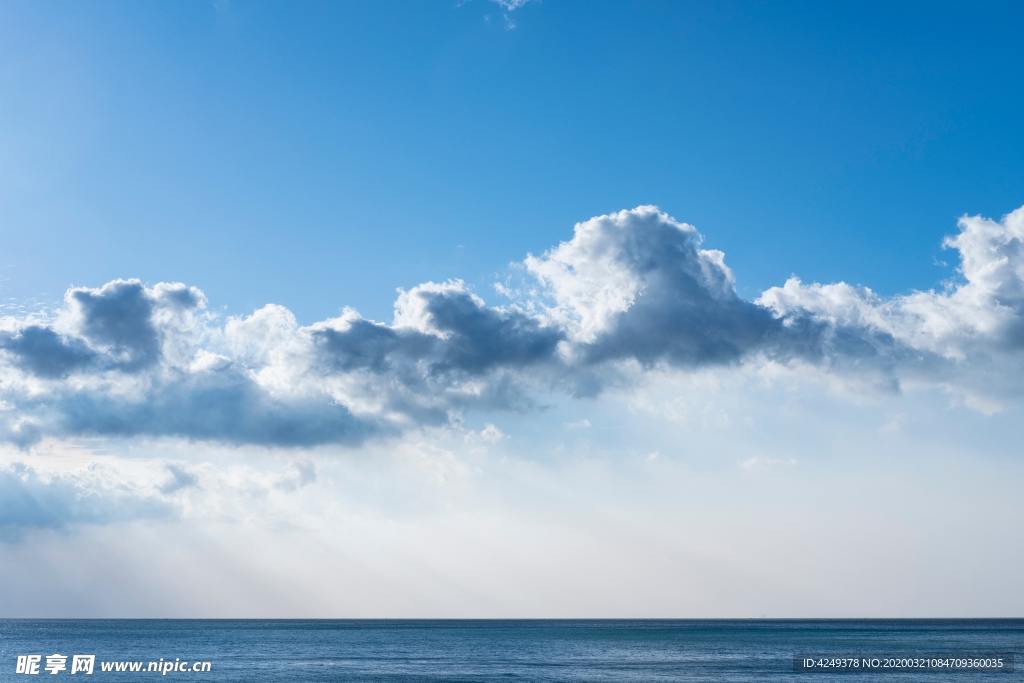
{"x": 118, "y": 318}
{"x": 638, "y": 284}
{"x": 300, "y": 473}
{"x": 986, "y": 307}
{"x": 218, "y": 404}
{"x": 628, "y": 292}
{"x": 123, "y": 319}
{"x": 178, "y": 478}
{"x": 507, "y": 9}
{"x": 970, "y": 334}
{"x": 510, "y": 5}
{"x": 756, "y": 463}
{"x": 445, "y": 350}
{"x": 29, "y": 500}
{"x": 441, "y": 330}
{"x": 45, "y": 353}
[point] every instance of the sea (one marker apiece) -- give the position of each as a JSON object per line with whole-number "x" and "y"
{"x": 516, "y": 650}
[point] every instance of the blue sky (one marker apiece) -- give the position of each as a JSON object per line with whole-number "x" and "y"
{"x": 373, "y": 309}
{"x": 351, "y": 148}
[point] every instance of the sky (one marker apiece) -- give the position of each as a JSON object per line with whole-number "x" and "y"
{"x": 510, "y": 308}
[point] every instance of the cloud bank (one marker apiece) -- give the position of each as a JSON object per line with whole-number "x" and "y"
{"x": 630, "y": 291}
{"x": 30, "y": 500}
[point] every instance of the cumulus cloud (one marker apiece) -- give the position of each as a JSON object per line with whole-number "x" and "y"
{"x": 629, "y": 291}
{"x": 638, "y": 284}
{"x": 968, "y": 334}
{"x": 987, "y": 307}
{"x": 444, "y": 330}
{"x": 44, "y": 352}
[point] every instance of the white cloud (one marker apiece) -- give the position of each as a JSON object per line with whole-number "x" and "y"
{"x": 491, "y": 434}
{"x": 968, "y": 336}
{"x": 511, "y": 5}
{"x": 717, "y": 430}
{"x": 987, "y": 307}
{"x": 758, "y": 462}
{"x": 301, "y": 473}
{"x": 630, "y": 292}
{"x": 508, "y": 7}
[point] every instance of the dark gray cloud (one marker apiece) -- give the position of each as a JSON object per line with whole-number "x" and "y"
{"x": 367, "y": 345}
{"x": 46, "y": 353}
{"x": 479, "y": 339}
{"x": 466, "y": 338}
{"x": 667, "y": 325}
{"x": 111, "y": 328}
{"x": 872, "y": 356}
{"x": 222, "y": 405}
{"x": 118, "y": 318}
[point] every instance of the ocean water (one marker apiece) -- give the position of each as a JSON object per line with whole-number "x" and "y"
{"x": 527, "y": 650}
